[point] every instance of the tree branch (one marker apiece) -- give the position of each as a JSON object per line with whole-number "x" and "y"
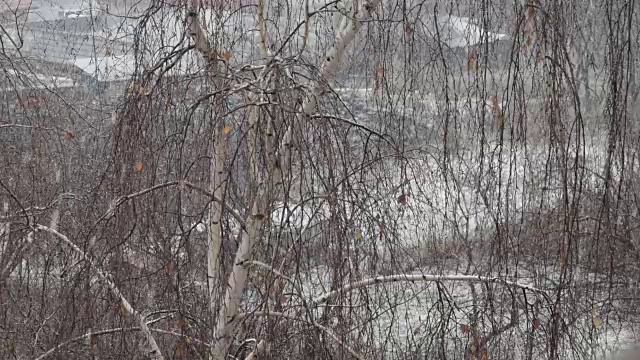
{"x": 412, "y": 278}
{"x": 262, "y": 265}
{"x": 155, "y": 352}
{"x": 121, "y": 200}
{"x": 233, "y": 212}
{"x": 114, "y": 331}
{"x": 330, "y": 66}
{"x": 349, "y": 122}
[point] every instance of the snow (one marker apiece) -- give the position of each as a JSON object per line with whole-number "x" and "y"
{"x": 111, "y": 68}
{"x": 462, "y": 198}
{"x": 32, "y": 80}
{"x": 456, "y": 31}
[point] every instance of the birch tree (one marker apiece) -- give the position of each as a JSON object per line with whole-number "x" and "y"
{"x": 320, "y": 179}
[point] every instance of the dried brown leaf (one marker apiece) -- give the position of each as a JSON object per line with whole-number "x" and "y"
{"x": 181, "y": 351}
{"x": 472, "y": 59}
{"x": 379, "y": 75}
{"x": 93, "y": 340}
{"x": 536, "y": 323}
{"x": 408, "y": 30}
{"x": 484, "y": 355}
{"x": 497, "y": 111}
{"x": 383, "y": 228}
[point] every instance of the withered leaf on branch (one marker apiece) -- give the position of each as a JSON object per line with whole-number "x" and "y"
{"x": 139, "y": 166}
{"x": 379, "y": 75}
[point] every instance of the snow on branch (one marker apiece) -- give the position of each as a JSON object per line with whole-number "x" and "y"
{"x": 115, "y": 331}
{"x": 420, "y": 277}
{"x": 155, "y": 352}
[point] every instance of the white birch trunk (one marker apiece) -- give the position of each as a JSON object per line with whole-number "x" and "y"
{"x": 218, "y": 172}
{"x": 238, "y": 278}
{"x": 224, "y": 331}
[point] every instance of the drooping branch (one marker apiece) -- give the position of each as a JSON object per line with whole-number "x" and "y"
{"x": 123, "y": 199}
{"x": 419, "y": 277}
{"x": 154, "y": 352}
{"x": 86, "y": 336}
{"x": 180, "y": 183}
{"x": 350, "y": 123}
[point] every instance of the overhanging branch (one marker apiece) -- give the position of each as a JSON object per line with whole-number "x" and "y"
{"x": 419, "y": 277}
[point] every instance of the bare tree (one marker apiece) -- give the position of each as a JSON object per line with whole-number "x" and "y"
{"x": 364, "y": 179}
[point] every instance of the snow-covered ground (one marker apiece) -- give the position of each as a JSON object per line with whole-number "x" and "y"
{"x": 465, "y": 185}
{"x": 457, "y": 199}
{"x": 423, "y": 316}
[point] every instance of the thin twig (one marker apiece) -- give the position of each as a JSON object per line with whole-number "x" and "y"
{"x": 349, "y": 122}
{"x": 121, "y": 200}
{"x": 269, "y": 268}
{"x": 235, "y": 214}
